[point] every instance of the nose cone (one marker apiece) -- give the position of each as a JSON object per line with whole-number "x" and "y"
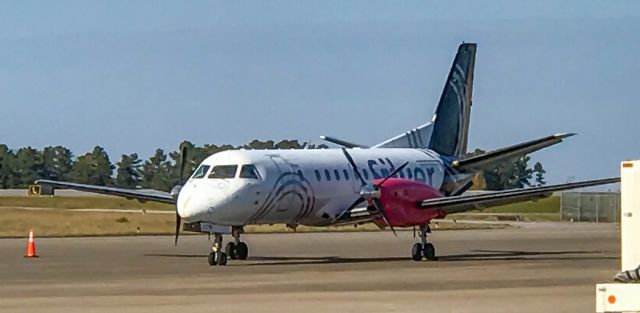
{"x": 190, "y": 205}
{"x": 196, "y": 203}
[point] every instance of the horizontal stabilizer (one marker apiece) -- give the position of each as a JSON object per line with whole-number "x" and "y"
{"x": 142, "y": 195}
{"x": 463, "y": 203}
{"x": 342, "y": 142}
{"x": 479, "y": 161}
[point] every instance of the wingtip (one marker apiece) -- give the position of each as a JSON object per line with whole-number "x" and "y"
{"x": 565, "y": 135}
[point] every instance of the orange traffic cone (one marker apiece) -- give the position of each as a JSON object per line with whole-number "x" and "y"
{"x": 31, "y": 247}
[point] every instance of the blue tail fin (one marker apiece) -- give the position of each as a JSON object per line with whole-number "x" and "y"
{"x": 448, "y": 130}
{"x": 451, "y": 120}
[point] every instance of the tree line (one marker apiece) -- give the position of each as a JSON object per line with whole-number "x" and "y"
{"x": 22, "y": 167}
{"x": 515, "y": 173}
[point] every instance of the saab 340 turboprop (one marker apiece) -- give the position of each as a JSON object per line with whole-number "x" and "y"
{"x": 405, "y": 181}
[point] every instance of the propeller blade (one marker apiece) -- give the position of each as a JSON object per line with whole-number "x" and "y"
{"x": 378, "y": 205}
{"x": 178, "y": 222}
{"x": 397, "y": 170}
{"x": 183, "y": 163}
{"x": 183, "y": 166}
{"x": 353, "y": 165}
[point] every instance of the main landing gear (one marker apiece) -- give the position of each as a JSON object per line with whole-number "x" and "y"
{"x": 423, "y": 248}
{"x": 233, "y": 250}
{"x": 237, "y": 249}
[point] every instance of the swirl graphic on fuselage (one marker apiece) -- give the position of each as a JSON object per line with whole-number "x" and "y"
{"x": 291, "y": 190}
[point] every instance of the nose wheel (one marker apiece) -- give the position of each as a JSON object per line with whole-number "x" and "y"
{"x": 217, "y": 257}
{"x": 423, "y": 249}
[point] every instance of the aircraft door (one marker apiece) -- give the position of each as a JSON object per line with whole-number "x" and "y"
{"x": 284, "y": 202}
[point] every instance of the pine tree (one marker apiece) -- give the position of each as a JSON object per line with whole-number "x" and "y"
{"x": 57, "y": 162}
{"x": 129, "y": 171}
{"x": 28, "y": 167}
{"x": 93, "y": 168}
{"x": 539, "y": 171}
{"x": 523, "y": 173}
{"x": 155, "y": 172}
{"x": 508, "y": 174}
{"x": 7, "y": 165}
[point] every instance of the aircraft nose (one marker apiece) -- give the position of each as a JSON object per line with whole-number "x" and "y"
{"x": 189, "y": 205}
{"x": 194, "y": 203}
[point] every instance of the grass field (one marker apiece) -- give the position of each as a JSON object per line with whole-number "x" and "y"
{"x": 102, "y": 202}
{"x": 56, "y": 216}
{"x": 546, "y": 205}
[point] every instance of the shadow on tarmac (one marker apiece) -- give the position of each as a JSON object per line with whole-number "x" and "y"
{"x": 506, "y": 255}
{"x": 474, "y": 255}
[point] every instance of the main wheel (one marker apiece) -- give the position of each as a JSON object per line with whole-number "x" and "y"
{"x": 416, "y": 252}
{"x": 213, "y": 260}
{"x": 429, "y": 252}
{"x": 230, "y": 250}
{"x": 241, "y": 251}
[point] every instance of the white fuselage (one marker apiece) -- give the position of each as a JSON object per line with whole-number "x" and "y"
{"x": 309, "y": 187}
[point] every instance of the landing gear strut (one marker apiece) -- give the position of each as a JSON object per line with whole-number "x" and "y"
{"x": 237, "y": 249}
{"x": 217, "y": 257}
{"x": 423, "y": 248}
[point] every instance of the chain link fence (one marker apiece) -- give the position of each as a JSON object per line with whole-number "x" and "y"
{"x": 597, "y": 207}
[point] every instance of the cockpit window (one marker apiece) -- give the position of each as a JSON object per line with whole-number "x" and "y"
{"x": 223, "y": 171}
{"x": 249, "y": 171}
{"x": 200, "y": 171}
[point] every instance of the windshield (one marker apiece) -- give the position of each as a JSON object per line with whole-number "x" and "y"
{"x": 223, "y": 171}
{"x": 249, "y": 171}
{"x": 201, "y": 171}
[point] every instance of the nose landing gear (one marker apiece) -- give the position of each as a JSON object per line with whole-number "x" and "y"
{"x": 217, "y": 257}
{"x": 423, "y": 249}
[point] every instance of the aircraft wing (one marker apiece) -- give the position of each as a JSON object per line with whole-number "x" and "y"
{"x": 488, "y": 158}
{"x": 463, "y": 203}
{"x": 143, "y": 195}
{"x": 341, "y": 142}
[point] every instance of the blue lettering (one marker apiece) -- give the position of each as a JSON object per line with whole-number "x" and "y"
{"x": 430, "y": 172}
{"x": 391, "y": 168}
{"x": 419, "y": 172}
{"x": 375, "y": 174}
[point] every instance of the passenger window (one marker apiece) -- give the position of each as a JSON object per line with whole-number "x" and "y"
{"x": 337, "y": 174}
{"x": 365, "y": 174}
{"x": 346, "y": 174}
{"x": 224, "y": 171}
{"x": 318, "y": 176}
{"x": 327, "y": 175}
{"x": 249, "y": 171}
{"x": 200, "y": 171}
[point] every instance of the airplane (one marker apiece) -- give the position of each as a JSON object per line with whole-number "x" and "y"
{"x": 406, "y": 181}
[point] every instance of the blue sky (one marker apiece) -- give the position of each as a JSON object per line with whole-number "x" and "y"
{"x": 135, "y": 76}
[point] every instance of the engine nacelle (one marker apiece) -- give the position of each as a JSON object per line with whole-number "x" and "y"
{"x": 400, "y": 198}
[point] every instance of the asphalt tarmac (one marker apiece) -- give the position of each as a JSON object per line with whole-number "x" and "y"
{"x": 539, "y": 267}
